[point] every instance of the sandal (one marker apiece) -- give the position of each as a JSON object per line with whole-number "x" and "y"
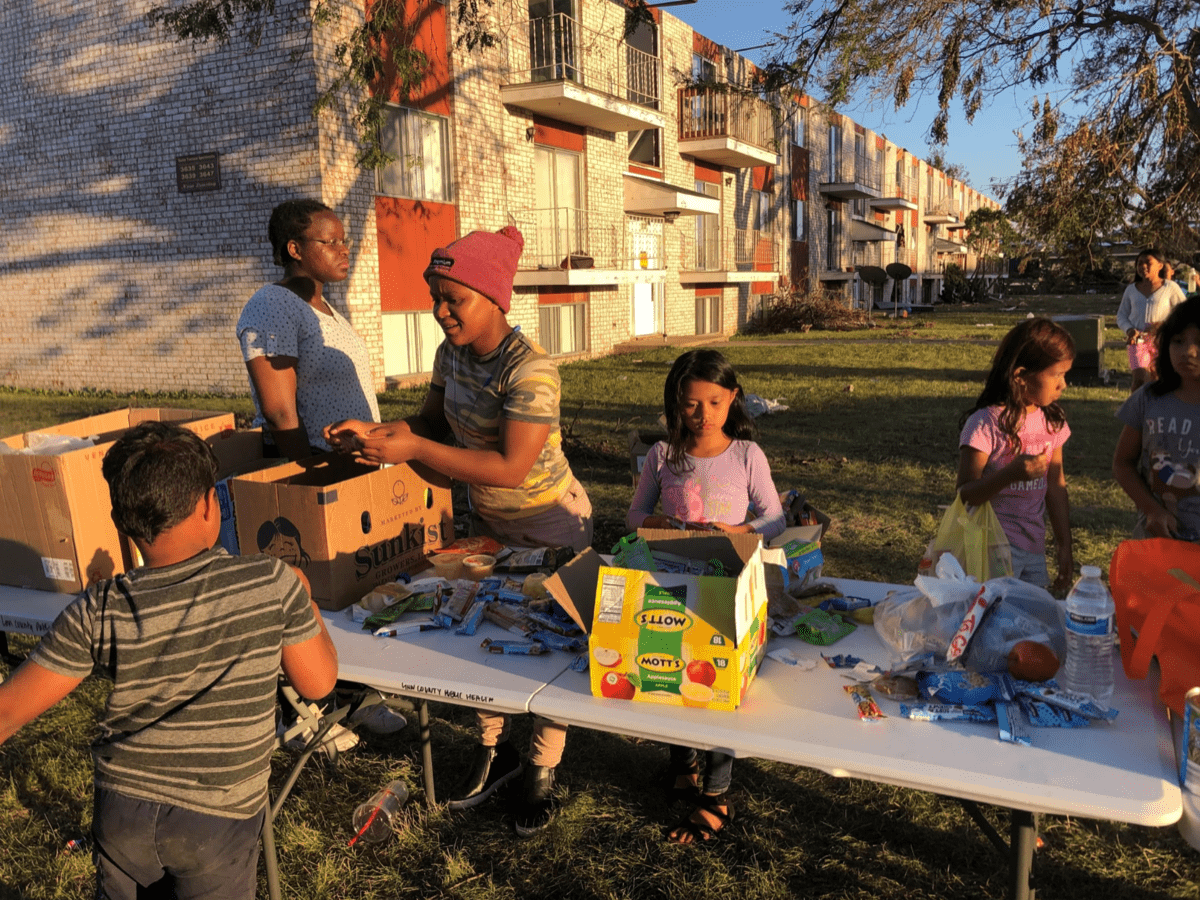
{"x": 689, "y": 790}
{"x": 690, "y": 831}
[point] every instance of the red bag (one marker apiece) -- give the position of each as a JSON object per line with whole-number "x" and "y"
{"x": 1156, "y": 589}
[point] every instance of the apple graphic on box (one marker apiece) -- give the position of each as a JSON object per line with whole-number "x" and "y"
{"x": 701, "y": 671}
{"x": 606, "y": 656}
{"x": 616, "y": 686}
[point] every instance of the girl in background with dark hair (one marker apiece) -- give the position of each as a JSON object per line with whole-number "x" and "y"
{"x": 1146, "y": 303}
{"x": 307, "y": 365}
{"x": 1157, "y": 460}
{"x": 709, "y": 475}
{"x": 1010, "y": 449}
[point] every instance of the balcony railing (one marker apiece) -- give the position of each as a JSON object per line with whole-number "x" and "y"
{"x": 867, "y": 254}
{"x": 754, "y": 248}
{"x": 907, "y": 256}
{"x": 904, "y": 186}
{"x": 708, "y": 112}
{"x": 561, "y": 49}
{"x": 866, "y": 172}
{"x": 702, "y": 248}
{"x": 565, "y": 238}
{"x": 940, "y": 207}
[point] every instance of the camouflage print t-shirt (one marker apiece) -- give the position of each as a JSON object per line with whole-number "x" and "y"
{"x": 517, "y": 381}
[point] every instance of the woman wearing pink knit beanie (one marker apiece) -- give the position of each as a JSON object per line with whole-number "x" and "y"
{"x": 498, "y": 394}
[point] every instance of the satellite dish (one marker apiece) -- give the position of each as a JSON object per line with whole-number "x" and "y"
{"x": 898, "y": 271}
{"x": 872, "y": 275}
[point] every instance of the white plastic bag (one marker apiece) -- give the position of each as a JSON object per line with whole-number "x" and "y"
{"x": 911, "y": 624}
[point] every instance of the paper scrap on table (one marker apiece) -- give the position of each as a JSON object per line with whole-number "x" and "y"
{"x": 784, "y": 655}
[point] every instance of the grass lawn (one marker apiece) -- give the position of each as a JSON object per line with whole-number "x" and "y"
{"x": 870, "y": 436}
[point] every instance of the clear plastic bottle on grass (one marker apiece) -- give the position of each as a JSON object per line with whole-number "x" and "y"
{"x": 1090, "y": 627}
{"x": 375, "y": 820}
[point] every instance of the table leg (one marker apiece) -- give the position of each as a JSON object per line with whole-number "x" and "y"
{"x": 426, "y": 752}
{"x": 269, "y": 857}
{"x": 1022, "y": 844}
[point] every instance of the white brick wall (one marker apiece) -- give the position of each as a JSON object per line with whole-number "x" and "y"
{"x": 112, "y": 278}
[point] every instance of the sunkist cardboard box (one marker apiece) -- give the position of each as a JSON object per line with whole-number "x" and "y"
{"x": 683, "y": 640}
{"x": 56, "y": 530}
{"x": 238, "y": 453}
{"x": 347, "y": 526}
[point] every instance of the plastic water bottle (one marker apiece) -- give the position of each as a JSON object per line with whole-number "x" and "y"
{"x": 375, "y": 820}
{"x": 1090, "y": 612}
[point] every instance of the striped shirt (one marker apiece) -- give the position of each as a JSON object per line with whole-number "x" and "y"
{"x": 517, "y": 381}
{"x": 193, "y": 651}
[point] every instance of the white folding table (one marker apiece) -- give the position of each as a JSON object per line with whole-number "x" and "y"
{"x": 1123, "y": 771}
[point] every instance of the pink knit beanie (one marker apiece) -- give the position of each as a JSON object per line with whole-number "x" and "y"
{"x": 484, "y": 261}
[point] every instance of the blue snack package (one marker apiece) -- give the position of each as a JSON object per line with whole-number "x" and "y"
{"x": 958, "y": 686}
{"x": 843, "y": 604}
{"x": 948, "y": 712}
{"x": 841, "y": 661}
{"x": 1010, "y": 725}
{"x": 1043, "y": 715}
{"x": 1061, "y": 698}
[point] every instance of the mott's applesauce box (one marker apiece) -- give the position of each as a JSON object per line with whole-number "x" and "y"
{"x": 684, "y": 640}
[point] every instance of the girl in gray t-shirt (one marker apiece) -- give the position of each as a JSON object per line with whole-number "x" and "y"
{"x": 1157, "y": 460}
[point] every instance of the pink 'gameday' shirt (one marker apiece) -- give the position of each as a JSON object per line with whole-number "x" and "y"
{"x": 1020, "y": 507}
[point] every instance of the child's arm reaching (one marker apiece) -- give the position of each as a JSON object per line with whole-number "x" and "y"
{"x": 1058, "y": 508}
{"x": 977, "y": 488}
{"x": 1159, "y": 522}
{"x": 29, "y": 692}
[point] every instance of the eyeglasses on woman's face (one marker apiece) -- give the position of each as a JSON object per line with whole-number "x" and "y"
{"x": 340, "y": 243}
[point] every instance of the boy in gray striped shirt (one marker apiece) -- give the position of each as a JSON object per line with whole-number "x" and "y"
{"x": 193, "y": 642}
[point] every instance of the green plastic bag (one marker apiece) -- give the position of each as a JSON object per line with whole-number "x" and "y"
{"x": 972, "y": 534}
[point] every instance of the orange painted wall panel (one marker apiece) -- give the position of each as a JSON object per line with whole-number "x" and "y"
{"x": 424, "y": 30}
{"x": 708, "y": 173}
{"x": 409, "y": 231}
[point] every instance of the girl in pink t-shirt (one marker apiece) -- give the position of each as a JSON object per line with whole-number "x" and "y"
{"x": 1010, "y": 449}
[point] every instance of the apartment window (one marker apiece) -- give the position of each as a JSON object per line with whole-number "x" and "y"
{"x": 799, "y": 230}
{"x": 419, "y": 143}
{"x": 708, "y": 315}
{"x": 760, "y": 210}
{"x": 409, "y": 342}
{"x": 645, "y": 147}
{"x": 563, "y": 328}
{"x": 554, "y": 40}
{"x": 560, "y": 221}
{"x": 799, "y": 121}
{"x": 708, "y": 232}
{"x": 834, "y": 169}
{"x": 833, "y": 239}
{"x": 756, "y": 306}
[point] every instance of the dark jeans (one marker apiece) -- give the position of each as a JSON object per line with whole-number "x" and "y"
{"x": 718, "y": 767}
{"x": 145, "y": 851}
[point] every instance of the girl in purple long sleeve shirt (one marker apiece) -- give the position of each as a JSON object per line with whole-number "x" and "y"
{"x": 709, "y": 475}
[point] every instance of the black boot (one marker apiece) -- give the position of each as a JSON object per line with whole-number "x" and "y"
{"x": 493, "y": 767}
{"x": 536, "y": 808}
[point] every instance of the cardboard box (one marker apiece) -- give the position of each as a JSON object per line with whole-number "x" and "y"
{"x": 238, "y": 453}
{"x": 349, "y": 527}
{"x": 56, "y": 530}
{"x": 640, "y": 442}
{"x": 681, "y": 640}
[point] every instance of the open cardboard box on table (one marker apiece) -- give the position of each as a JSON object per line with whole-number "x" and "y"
{"x": 348, "y": 527}
{"x": 56, "y": 529}
{"x": 700, "y": 647}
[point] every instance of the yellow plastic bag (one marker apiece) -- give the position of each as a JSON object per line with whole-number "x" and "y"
{"x": 972, "y": 534}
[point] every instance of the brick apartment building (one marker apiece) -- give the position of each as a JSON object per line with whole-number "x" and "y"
{"x": 139, "y": 174}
